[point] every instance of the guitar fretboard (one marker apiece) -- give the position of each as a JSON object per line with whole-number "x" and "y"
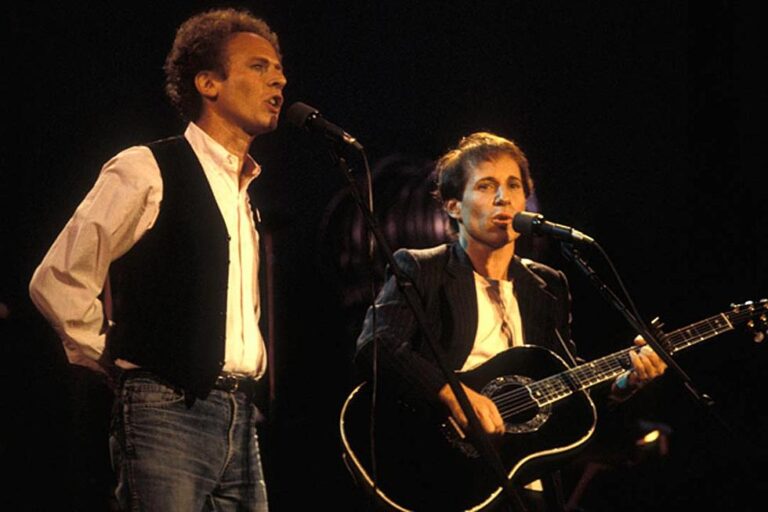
{"x": 609, "y": 367}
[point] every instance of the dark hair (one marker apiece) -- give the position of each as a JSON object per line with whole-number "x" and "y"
{"x": 199, "y": 46}
{"x": 452, "y": 168}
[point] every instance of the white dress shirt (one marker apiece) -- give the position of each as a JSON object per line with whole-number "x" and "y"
{"x": 120, "y": 208}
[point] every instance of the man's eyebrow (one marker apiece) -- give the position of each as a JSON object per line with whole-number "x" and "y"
{"x": 265, "y": 60}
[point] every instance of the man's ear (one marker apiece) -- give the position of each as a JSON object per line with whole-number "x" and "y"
{"x": 207, "y": 84}
{"x": 453, "y": 209}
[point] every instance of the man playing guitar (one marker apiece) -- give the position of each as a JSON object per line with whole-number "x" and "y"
{"x": 479, "y": 297}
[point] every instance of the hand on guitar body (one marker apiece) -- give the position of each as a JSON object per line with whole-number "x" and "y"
{"x": 484, "y": 408}
{"x": 646, "y": 366}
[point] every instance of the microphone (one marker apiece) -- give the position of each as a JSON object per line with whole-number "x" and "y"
{"x": 534, "y": 223}
{"x": 308, "y": 118}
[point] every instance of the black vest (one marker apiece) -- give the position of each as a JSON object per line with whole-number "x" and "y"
{"x": 170, "y": 289}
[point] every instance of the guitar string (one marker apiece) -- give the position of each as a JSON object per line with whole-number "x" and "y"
{"x": 607, "y": 364}
{"x": 552, "y": 386}
{"x": 521, "y": 399}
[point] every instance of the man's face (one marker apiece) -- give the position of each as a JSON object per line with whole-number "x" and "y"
{"x": 493, "y": 195}
{"x": 251, "y": 96}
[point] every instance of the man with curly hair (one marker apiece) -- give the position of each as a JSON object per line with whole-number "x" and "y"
{"x": 172, "y": 223}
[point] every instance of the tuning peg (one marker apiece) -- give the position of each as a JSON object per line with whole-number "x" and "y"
{"x": 737, "y": 308}
{"x": 759, "y": 328}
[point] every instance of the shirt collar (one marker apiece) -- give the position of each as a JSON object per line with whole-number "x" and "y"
{"x": 206, "y": 147}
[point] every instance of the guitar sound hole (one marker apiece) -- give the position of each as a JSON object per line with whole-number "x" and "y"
{"x": 520, "y": 412}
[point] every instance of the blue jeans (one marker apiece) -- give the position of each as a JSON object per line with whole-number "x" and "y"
{"x": 171, "y": 457}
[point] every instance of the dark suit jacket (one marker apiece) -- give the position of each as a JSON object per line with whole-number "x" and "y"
{"x": 446, "y": 286}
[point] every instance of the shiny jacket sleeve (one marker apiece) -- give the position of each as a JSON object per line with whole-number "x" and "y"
{"x": 400, "y": 366}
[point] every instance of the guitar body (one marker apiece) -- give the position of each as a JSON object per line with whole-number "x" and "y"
{"x": 422, "y": 463}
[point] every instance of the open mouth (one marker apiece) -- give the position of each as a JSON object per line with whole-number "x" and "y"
{"x": 502, "y": 218}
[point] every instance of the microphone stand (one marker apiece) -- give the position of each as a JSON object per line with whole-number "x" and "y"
{"x": 700, "y": 399}
{"x": 483, "y": 443}
{"x": 572, "y": 254}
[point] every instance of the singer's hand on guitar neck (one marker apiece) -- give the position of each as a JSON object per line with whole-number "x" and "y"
{"x": 646, "y": 366}
{"x": 484, "y": 409}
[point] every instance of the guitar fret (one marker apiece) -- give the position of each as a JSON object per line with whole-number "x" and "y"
{"x": 564, "y": 384}
{"x": 558, "y": 386}
{"x": 699, "y": 331}
{"x": 552, "y": 389}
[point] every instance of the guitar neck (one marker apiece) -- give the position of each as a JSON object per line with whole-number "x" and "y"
{"x": 609, "y": 367}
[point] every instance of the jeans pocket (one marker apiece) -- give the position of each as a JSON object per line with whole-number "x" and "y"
{"x": 143, "y": 393}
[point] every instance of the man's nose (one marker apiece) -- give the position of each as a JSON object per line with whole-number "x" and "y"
{"x": 501, "y": 196}
{"x": 278, "y": 80}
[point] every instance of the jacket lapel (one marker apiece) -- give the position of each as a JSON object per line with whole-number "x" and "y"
{"x": 461, "y": 298}
{"x": 535, "y": 303}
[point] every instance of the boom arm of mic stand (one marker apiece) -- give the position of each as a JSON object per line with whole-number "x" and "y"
{"x": 406, "y": 286}
{"x": 573, "y": 254}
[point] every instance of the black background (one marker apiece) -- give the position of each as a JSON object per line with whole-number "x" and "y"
{"x": 642, "y": 123}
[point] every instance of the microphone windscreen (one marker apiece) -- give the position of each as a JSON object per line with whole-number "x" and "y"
{"x": 524, "y": 222}
{"x": 298, "y": 113}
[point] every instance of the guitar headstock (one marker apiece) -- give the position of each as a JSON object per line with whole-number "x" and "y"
{"x": 755, "y": 314}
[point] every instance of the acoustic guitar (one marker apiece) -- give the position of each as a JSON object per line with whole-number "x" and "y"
{"x": 424, "y": 462}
